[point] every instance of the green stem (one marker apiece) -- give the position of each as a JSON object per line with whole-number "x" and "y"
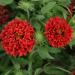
{"x": 64, "y": 70}
{"x": 28, "y": 14}
{"x": 30, "y": 68}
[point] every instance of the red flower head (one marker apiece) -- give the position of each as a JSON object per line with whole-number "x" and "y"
{"x": 58, "y": 32}
{"x": 4, "y": 14}
{"x": 17, "y": 38}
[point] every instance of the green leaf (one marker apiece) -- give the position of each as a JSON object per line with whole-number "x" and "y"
{"x": 35, "y": 0}
{"x": 47, "y": 7}
{"x": 21, "y": 16}
{"x": 35, "y": 58}
{"x": 64, "y": 70}
{"x": 59, "y": 10}
{"x": 36, "y": 24}
{"x": 64, "y": 15}
{"x": 46, "y": 1}
{"x": 64, "y": 2}
{"x": 32, "y": 54}
{"x": 72, "y": 22}
{"x": 25, "y": 72}
{"x": 22, "y": 60}
{"x": 72, "y": 42}
{"x": 20, "y": 72}
{"x": 38, "y": 71}
{"x": 25, "y": 5}
{"x": 40, "y": 17}
{"x": 8, "y": 72}
{"x": 44, "y": 53}
{"x": 52, "y": 70}
{"x": 5, "y": 2}
{"x": 55, "y": 50}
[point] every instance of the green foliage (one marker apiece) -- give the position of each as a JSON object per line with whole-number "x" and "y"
{"x": 72, "y": 22}
{"x": 44, "y": 53}
{"x": 19, "y": 72}
{"x": 55, "y": 50}
{"x": 64, "y": 3}
{"x": 38, "y": 71}
{"x": 25, "y": 5}
{"x": 5, "y": 2}
{"x": 48, "y": 7}
{"x": 53, "y": 70}
{"x": 45, "y": 9}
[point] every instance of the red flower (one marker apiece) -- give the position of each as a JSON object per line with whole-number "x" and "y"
{"x": 4, "y": 14}
{"x": 17, "y": 38}
{"x": 58, "y": 32}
